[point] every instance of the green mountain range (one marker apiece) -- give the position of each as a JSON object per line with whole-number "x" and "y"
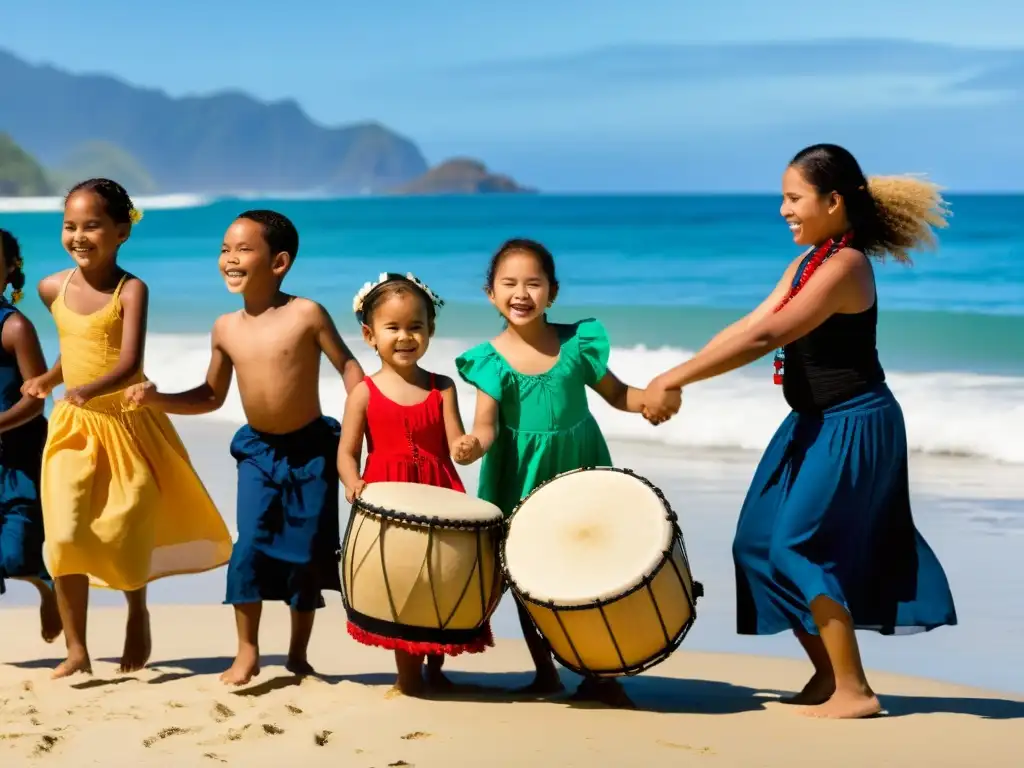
{"x": 81, "y": 125}
{"x": 20, "y": 174}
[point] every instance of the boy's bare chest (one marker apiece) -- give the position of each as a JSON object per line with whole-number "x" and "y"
{"x": 273, "y": 345}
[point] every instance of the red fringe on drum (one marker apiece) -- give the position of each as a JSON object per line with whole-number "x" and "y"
{"x": 486, "y": 640}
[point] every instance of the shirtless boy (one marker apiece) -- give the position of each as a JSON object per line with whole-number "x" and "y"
{"x": 288, "y": 527}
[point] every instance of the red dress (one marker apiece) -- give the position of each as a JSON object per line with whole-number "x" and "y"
{"x": 409, "y": 444}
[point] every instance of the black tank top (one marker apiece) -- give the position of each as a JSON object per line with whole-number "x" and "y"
{"x": 836, "y": 361}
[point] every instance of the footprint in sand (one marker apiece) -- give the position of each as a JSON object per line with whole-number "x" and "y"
{"x": 416, "y": 735}
{"x": 214, "y": 756}
{"x": 321, "y": 738}
{"x": 220, "y": 713}
{"x": 46, "y": 744}
{"x": 165, "y": 733}
{"x": 687, "y": 747}
{"x": 248, "y": 731}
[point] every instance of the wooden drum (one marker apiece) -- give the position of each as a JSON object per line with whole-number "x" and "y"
{"x": 420, "y": 569}
{"x": 597, "y": 558}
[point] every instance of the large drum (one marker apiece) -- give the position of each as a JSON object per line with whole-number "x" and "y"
{"x": 597, "y": 558}
{"x": 420, "y": 568}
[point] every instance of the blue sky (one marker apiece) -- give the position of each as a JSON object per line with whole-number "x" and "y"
{"x": 584, "y": 94}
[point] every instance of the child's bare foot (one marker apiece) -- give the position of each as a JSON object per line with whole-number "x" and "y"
{"x": 437, "y": 681}
{"x": 407, "y": 686}
{"x": 299, "y": 665}
{"x": 245, "y": 667}
{"x": 49, "y": 615}
{"x": 846, "y": 705}
{"x": 74, "y": 663}
{"x": 138, "y": 643}
{"x": 818, "y": 690}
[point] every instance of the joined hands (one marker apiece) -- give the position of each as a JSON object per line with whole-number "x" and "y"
{"x": 660, "y": 404}
{"x": 140, "y": 394}
{"x": 38, "y": 386}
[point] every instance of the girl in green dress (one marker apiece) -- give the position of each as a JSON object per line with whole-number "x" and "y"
{"x": 532, "y": 418}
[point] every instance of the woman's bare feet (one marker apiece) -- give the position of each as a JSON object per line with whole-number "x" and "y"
{"x": 245, "y": 667}
{"x": 846, "y": 705}
{"x": 818, "y": 690}
{"x": 138, "y": 643}
{"x": 49, "y": 613}
{"x": 73, "y": 664}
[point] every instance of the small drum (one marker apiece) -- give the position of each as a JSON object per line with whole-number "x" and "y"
{"x": 420, "y": 569}
{"x": 597, "y": 558}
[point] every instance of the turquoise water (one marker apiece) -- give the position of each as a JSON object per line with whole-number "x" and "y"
{"x": 663, "y": 273}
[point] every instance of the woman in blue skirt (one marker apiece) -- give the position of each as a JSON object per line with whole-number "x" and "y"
{"x": 22, "y": 436}
{"x": 826, "y": 543}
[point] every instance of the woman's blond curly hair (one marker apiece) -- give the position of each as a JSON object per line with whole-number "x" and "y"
{"x": 909, "y": 211}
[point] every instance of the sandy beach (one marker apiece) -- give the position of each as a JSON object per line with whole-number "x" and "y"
{"x": 710, "y": 703}
{"x": 696, "y": 708}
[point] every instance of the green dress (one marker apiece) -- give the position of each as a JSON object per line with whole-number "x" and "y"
{"x": 544, "y": 426}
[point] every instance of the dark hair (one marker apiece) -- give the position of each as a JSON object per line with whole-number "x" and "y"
{"x": 395, "y": 285}
{"x": 12, "y": 258}
{"x": 118, "y": 204}
{"x": 278, "y": 231}
{"x": 888, "y": 214}
{"x": 524, "y": 245}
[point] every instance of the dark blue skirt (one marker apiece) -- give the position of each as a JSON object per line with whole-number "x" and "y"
{"x": 288, "y": 525}
{"x": 828, "y": 514}
{"x": 21, "y": 515}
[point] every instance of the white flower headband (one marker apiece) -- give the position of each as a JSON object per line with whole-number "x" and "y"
{"x": 387, "y": 277}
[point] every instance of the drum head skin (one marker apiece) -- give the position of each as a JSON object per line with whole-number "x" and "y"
{"x": 587, "y": 536}
{"x": 428, "y": 502}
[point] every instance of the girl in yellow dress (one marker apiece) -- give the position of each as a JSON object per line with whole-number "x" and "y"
{"x": 122, "y": 505}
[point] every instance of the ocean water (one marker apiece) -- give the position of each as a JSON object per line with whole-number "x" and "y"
{"x": 663, "y": 273}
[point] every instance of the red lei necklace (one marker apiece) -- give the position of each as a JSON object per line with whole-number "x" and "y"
{"x": 822, "y": 254}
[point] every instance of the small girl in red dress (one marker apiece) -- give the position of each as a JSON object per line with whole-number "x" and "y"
{"x": 410, "y": 418}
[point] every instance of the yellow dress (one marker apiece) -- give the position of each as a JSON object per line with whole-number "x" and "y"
{"x": 121, "y": 501}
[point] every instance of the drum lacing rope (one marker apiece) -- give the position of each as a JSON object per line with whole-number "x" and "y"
{"x": 437, "y": 522}
{"x": 568, "y": 639}
{"x": 611, "y": 635}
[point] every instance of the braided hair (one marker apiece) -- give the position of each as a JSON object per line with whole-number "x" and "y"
{"x": 115, "y": 198}
{"x": 12, "y": 258}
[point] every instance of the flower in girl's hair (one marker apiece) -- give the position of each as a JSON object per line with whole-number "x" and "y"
{"x": 437, "y": 301}
{"x": 360, "y": 298}
{"x": 16, "y": 296}
{"x": 135, "y": 215}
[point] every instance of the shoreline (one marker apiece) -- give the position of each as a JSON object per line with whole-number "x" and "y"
{"x": 970, "y": 512}
{"x": 694, "y": 705}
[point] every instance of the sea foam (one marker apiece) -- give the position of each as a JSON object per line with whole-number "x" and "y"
{"x": 946, "y": 413}
{"x": 51, "y": 204}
